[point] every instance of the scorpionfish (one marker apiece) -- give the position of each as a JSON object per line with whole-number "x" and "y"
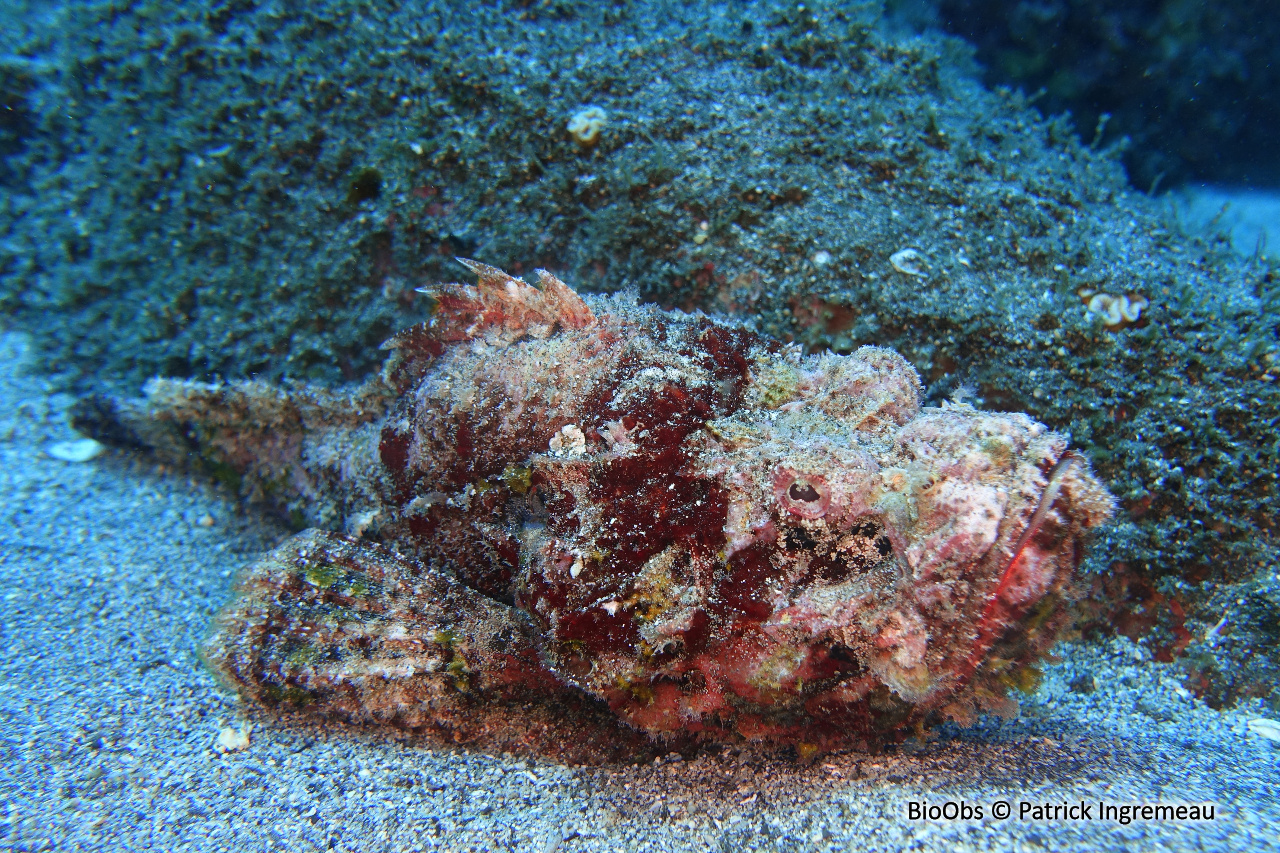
{"x": 551, "y": 510}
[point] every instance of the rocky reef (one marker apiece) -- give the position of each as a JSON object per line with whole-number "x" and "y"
{"x": 698, "y": 528}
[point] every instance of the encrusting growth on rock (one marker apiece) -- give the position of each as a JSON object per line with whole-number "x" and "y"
{"x": 577, "y": 506}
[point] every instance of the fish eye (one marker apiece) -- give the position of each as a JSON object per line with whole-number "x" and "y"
{"x": 804, "y": 492}
{"x": 804, "y": 495}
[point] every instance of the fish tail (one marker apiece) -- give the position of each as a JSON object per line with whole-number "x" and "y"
{"x": 291, "y": 449}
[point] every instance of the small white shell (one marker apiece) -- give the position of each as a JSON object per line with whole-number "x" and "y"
{"x": 1269, "y": 729}
{"x": 569, "y": 441}
{"x": 909, "y": 262}
{"x": 81, "y": 450}
{"x": 586, "y": 125}
{"x": 233, "y": 740}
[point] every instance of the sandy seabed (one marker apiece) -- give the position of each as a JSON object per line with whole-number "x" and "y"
{"x": 111, "y": 570}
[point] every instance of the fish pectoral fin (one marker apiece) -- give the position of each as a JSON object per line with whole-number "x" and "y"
{"x": 335, "y": 626}
{"x": 125, "y": 424}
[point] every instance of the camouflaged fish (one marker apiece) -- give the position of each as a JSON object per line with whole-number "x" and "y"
{"x": 547, "y": 502}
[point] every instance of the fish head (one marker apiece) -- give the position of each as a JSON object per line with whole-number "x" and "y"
{"x": 829, "y": 552}
{"x": 914, "y": 550}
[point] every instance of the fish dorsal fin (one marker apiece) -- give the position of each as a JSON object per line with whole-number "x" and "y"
{"x": 499, "y": 308}
{"x": 507, "y": 305}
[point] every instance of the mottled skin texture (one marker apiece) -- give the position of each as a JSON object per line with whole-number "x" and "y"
{"x": 703, "y": 530}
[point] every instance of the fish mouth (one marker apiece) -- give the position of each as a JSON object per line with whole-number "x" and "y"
{"x": 1048, "y": 497}
{"x": 1022, "y": 581}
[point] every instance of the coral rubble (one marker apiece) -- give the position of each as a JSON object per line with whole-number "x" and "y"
{"x": 691, "y": 524}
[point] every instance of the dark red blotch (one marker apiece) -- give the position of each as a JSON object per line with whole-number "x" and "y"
{"x": 742, "y": 590}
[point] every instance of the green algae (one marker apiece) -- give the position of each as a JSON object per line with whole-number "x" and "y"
{"x": 518, "y": 479}
{"x": 445, "y": 638}
{"x": 304, "y": 656}
{"x": 777, "y": 384}
{"x": 327, "y": 576}
{"x": 322, "y": 575}
{"x": 1024, "y": 679}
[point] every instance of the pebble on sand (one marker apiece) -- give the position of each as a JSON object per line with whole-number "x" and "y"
{"x": 79, "y": 450}
{"x": 232, "y": 739}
